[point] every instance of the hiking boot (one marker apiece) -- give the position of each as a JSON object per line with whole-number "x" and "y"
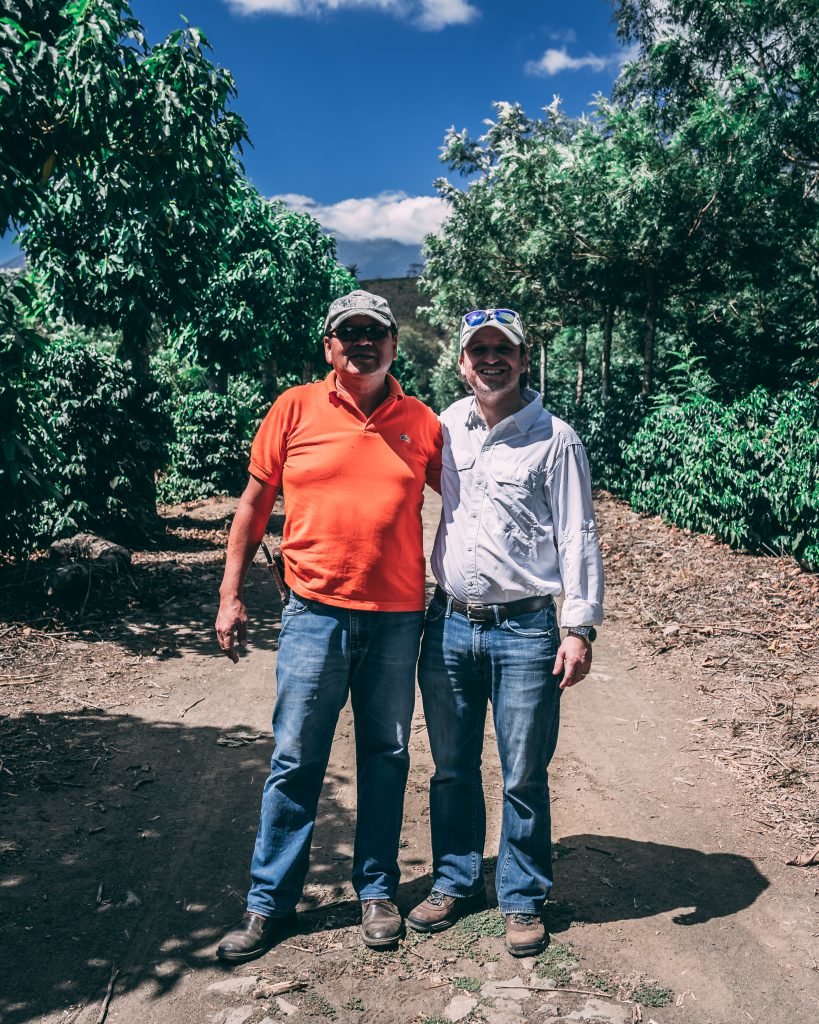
{"x": 381, "y": 923}
{"x": 525, "y": 934}
{"x": 439, "y": 911}
{"x": 252, "y": 937}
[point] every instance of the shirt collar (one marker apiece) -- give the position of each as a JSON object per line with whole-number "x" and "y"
{"x": 395, "y": 389}
{"x": 524, "y": 419}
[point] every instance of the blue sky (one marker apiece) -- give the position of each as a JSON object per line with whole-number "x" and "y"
{"x": 347, "y": 101}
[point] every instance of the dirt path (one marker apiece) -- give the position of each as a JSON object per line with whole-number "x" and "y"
{"x": 127, "y": 843}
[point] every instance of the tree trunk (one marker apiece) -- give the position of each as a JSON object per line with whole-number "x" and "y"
{"x": 135, "y": 348}
{"x": 543, "y": 378}
{"x": 605, "y": 356}
{"x": 581, "y": 365}
{"x": 650, "y": 334}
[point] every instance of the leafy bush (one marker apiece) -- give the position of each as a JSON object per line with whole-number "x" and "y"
{"x": 746, "y": 472}
{"x": 109, "y": 432}
{"x": 209, "y": 453}
{"x": 605, "y": 428}
{"x": 27, "y": 452}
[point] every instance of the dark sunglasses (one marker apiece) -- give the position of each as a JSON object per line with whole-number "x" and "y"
{"x": 355, "y": 332}
{"x": 482, "y": 316}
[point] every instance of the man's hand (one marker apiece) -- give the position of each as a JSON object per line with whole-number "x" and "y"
{"x": 574, "y": 658}
{"x": 231, "y": 625}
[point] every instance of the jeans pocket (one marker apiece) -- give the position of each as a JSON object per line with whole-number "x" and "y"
{"x": 435, "y": 612}
{"x": 537, "y": 625}
{"x": 295, "y": 605}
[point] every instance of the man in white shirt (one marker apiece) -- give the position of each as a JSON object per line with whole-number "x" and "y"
{"x": 517, "y": 529}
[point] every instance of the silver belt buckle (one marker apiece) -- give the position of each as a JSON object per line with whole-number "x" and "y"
{"x": 478, "y": 608}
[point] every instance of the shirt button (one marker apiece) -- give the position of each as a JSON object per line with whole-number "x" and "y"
{"x": 469, "y": 549}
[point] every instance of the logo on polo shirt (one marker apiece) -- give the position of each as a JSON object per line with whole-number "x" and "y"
{"x": 405, "y": 437}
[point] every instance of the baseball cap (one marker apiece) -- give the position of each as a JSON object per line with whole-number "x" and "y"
{"x": 507, "y": 321}
{"x": 359, "y": 303}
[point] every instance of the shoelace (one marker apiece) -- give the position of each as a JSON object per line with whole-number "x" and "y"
{"x": 524, "y": 919}
{"x": 437, "y": 899}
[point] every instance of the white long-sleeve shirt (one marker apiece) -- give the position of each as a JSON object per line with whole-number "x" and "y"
{"x": 517, "y": 516}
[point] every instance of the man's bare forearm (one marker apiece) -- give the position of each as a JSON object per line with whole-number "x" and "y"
{"x": 246, "y": 533}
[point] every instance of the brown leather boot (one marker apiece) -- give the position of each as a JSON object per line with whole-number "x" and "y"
{"x": 525, "y": 934}
{"x": 439, "y": 911}
{"x": 381, "y": 923}
{"x": 252, "y": 937}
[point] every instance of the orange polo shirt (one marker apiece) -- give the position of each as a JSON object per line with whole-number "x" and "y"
{"x": 353, "y": 490}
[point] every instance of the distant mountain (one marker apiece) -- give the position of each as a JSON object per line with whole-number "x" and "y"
{"x": 17, "y": 262}
{"x": 381, "y": 257}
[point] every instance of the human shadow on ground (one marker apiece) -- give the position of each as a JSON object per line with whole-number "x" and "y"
{"x": 602, "y": 878}
{"x": 127, "y": 843}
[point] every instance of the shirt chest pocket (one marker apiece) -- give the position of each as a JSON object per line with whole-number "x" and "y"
{"x": 457, "y": 462}
{"x": 514, "y": 498}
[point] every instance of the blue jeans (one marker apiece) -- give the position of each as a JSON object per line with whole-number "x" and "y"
{"x": 326, "y": 653}
{"x": 463, "y": 665}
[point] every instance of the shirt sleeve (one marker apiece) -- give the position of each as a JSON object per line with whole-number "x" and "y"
{"x": 568, "y": 490}
{"x": 269, "y": 449}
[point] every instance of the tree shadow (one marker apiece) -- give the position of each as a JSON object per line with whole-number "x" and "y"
{"x": 609, "y": 878}
{"x": 128, "y": 843}
{"x": 163, "y": 604}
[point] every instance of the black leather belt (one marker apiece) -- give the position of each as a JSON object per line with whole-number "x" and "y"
{"x": 495, "y": 612}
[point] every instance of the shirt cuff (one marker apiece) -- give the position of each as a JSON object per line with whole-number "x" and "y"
{"x": 581, "y": 613}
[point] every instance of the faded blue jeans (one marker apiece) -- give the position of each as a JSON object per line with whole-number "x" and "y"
{"x": 463, "y": 666}
{"x": 326, "y": 653}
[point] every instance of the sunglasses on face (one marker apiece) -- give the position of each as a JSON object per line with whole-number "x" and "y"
{"x": 355, "y": 332}
{"x": 483, "y": 316}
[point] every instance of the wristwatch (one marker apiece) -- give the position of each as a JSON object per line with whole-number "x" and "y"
{"x": 584, "y": 632}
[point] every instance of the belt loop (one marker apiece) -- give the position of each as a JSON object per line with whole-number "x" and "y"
{"x": 448, "y": 606}
{"x": 496, "y": 611}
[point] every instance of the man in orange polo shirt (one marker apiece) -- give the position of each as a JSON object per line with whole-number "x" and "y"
{"x": 352, "y": 454}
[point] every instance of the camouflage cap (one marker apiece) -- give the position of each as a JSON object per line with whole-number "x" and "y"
{"x": 359, "y": 303}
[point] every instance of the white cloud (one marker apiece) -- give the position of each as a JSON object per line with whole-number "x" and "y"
{"x": 437, "y": 14}
{"x": 554, "y": 61}
{"x": 427, "y": 14}
{"x": 393, "y": 215}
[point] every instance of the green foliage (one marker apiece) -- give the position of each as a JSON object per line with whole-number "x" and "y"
{"x": 209, "y": 453}
{"x": 125, "y": 204}
{"x": 606, "y": 429}
{"x": 446, "y": 382}
{"x": 82, "y": 439}
{"x": 111, "y": 432}
{"x": 652, "y": 994}
{"x": 403, "y": 369}
{"x": 264, "y": 306}
{"x": 467, "y": 984}
{"x": 557, "y": 962}
{"x": 747, "y": 472}
{"x": 119, "y": 160}
{"x": 27, "y": 450}
{"x": 489, "y": 923}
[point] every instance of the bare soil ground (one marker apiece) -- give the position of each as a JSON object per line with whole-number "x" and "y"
{"x": 132, "y": 758}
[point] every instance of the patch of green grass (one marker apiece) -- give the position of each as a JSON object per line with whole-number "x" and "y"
{"x": 557, "y": 962}
{"x": 438, "y": 1019}
{"x": 651, "y": 994}
{"x": 599, "y": 981}
{"x": 467, "y": 984}
{"x": 485, "y": 924}
{"x": 353, "y": 1004}
{"x": 317, "y": 1004}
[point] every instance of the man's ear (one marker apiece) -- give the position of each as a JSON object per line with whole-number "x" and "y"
{"x": 327, "y": 355}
